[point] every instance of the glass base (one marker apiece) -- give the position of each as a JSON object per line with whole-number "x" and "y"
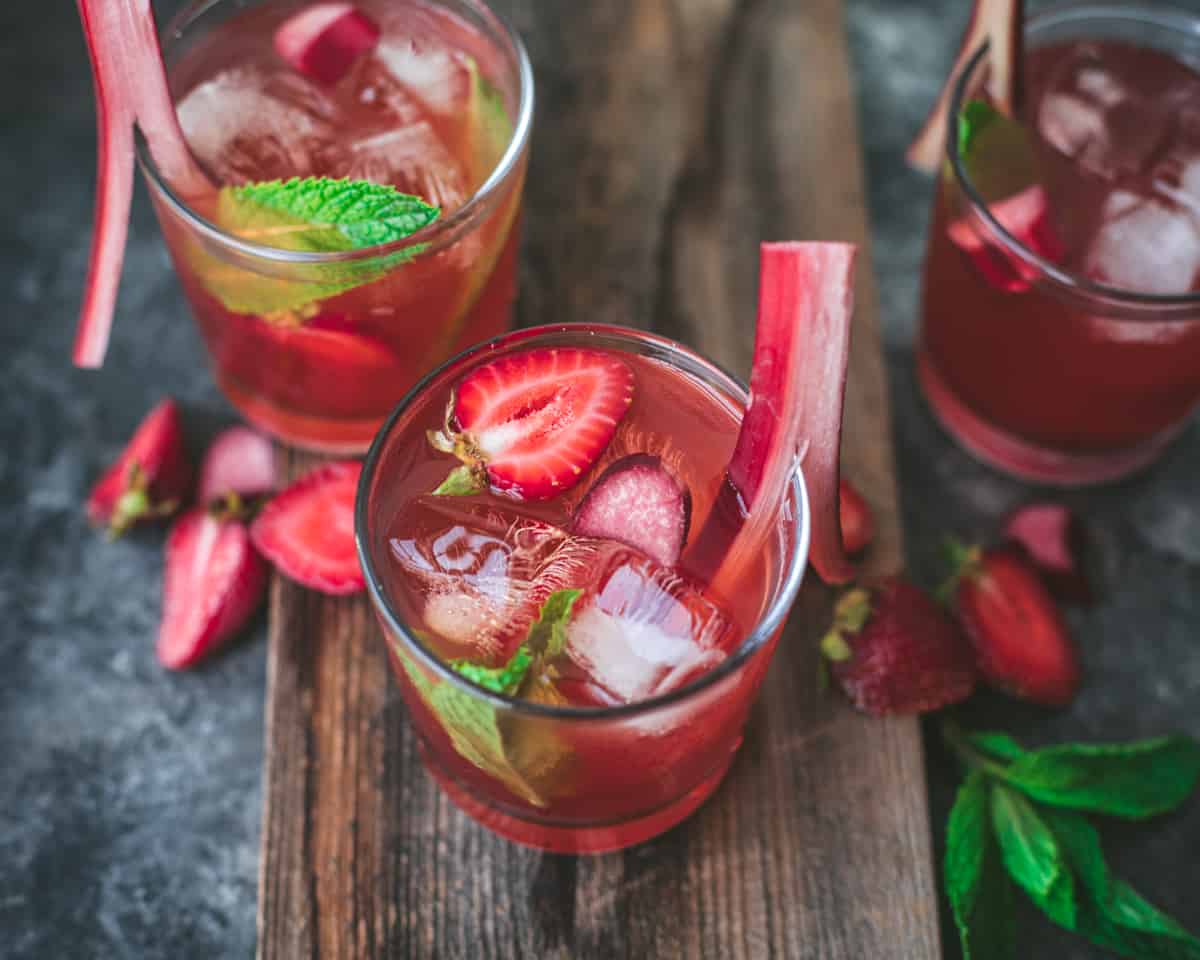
{"x": 559, "y": 839}
{"x": 315, "y": 434}
{"x": 1003, "y": 450}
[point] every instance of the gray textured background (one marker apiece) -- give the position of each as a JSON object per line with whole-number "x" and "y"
{"x": 130, "y": 797}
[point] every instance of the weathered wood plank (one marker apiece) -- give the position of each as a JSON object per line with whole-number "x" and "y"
{"x": 671, "y": 137}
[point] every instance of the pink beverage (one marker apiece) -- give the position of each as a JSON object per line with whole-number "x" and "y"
{"x": 629, "y": 720}
{"x": 316, "y": 348}
{"x": 1066, "y": 346}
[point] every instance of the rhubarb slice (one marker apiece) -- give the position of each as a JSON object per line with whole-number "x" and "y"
{"x": 999, "y": 24}
{"x": 637, "y": 502}
{"x": 131, "y": 87}
{"x": 324, "y": 40}
{"x": 797, "y": 387}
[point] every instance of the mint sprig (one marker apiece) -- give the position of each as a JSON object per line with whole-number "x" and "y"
{"x": 1018, "y": 821}
{"x": 309, "y": 215}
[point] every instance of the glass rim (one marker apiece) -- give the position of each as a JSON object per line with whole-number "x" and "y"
{"x": 771, "y": 620}
{"x": 432, "y": 238}
{"x": 1066, "y": 281}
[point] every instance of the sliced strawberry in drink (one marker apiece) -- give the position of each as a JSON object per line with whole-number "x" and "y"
{"x": 1022, "y": 645}
{"x": 307, "y": 531}
{"x": 240, "y": 460}
{"x": 857, "y": 520}
{"x": 213, "y": 583}
{"x": 1026, "y": 216}
{"x": 638, "y": 502}
{"x": 533, "y": 423}
{"x": 1000, "y": 24}
{"x": 149, "y": 479}
{"x": 1052, "y": 537}
{"x": 324, "y": 40}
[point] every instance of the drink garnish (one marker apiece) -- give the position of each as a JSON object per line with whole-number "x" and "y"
{"x": 999, "y": 24}
{"x": 240, "y": 460}
{"x": 856, "y": 517}
{"x": 324, "y": 40}
{"x": 1019, "y": 821}
{"x": 533, "y": 423}
{"x": 307, "y": 530}
{"x": 1053, "y": 540}
{"x": 637, "y": 501}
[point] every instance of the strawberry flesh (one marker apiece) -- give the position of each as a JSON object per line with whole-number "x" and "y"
{"x": 537, "y": 421}
{"x": 240, "y": 460}
{"x": 1026, "y": 216}
{"x": 324, "y": 40}
{"x": 638, "y": 502}
{"x": 307, "y": 531}
{"x": 1053, "y": 540}
{"x": 857, "y": 518}
{"x": 150, "y": 478}
{"x": 213, "y": 582}
{"x": 894, "y": 651}
{"x": 1022, "y": 645}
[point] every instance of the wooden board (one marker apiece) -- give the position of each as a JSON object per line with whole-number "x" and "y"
{"x": 672, "y": 135}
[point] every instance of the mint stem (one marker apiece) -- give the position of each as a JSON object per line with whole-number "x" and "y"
{"x": 971, "y": 756}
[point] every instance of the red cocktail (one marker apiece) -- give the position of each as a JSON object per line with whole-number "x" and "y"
{"x": 312, "y": 342}
{"x": 1061, "y": 333}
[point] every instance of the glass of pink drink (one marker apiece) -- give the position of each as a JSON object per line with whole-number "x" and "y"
{"x": 633, "y": 720}
{"x": 1061, "y": 316}
{"x": 316, "y": 347}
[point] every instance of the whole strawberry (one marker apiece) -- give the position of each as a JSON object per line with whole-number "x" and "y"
{"x": 150, "y": 478}
{"x": 893, "y": 650}
{"x": 1022, "y": 645}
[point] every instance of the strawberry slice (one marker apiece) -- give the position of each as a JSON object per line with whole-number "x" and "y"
{"x": 1021, "y": 643}
{"x": 1053, "y": 538}
{"x": 533, "y": 423}
{"x": 858, "y": 522}
{"x": 214, "y": 581}
{"x": 239, "y": 460}
{"x": 324, "y": 40}
{"x": 307, "y": 531}
{"x": 893, "y": 650}
{"x": 1026, "y": 216}
{"x": 637, "y": 502}
{"x": 149, "y": 479}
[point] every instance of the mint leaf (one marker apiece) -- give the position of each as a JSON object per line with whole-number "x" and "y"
{"x": 313, "y": 215}
{"x": 548, "y": 634}
{"x": 974, "y": 118}
{"x": 1111, "y": 914}
{"x": 506, "y": 679}
{"x": 979, "y": 892}
{"x": 1132, "y": 780}
{"x": 1032, "y": 855}
{"x": 998, "y": 745}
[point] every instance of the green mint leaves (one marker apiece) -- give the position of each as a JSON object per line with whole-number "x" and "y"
{"x": 309, "y": 215}
{"x": 975, "y": 117}
{"x": 548, "y": 634}
{"x": 506, "y": 679}
{"x": 1018, "y": 820}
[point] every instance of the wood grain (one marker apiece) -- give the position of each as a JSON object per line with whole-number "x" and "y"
{"x": 671, "y": 136}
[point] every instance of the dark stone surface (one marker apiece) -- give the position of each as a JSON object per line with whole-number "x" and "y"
{"x": 130, "y": 798}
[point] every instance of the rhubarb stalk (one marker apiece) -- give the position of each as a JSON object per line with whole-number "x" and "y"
{"x": 999, "y": 24}
{"x": 131, "y": 87}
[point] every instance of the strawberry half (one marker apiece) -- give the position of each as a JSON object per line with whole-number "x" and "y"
{"x": 533, "y": 423}
{"x": 1026, "y": 215}
{"x": 1053, "y": 538}
{"x": 1022, "y": 645}
{"x": 241, "y": 461}
{"x": 857, "y": 520}
{"x": 893, "y": 650}
{"x": 150, "y": 478}
{"x": 307, "y": 531}
{"x": 213, "y": 583}
{"x": 637, "y": 502}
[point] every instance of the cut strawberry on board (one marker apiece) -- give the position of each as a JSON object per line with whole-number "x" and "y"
{"x": 213, "y": 582}
{"x": 801, "y": 347}
{"x": 857, "y": 519}
{"x": 894, "y": 650}
{"x": 533, "y": 423}
{"x": 307, "y": 531}
{"x": 324, "y": 40}
{"x": 1026, "y": 216}
{"x": 1053, "y": 539}
{"x": 1022, "y": 645}
{"x": 1000, "y": 24}
{"x": 637, "y": 502}
{"x": 241, "y": 461}
{"x": 150, "y": 478}
{"x": 131, "y": 87}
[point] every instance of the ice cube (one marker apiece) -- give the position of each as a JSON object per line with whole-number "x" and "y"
{"x": 1146, "y": 244}
{"x": 244, "y": 124}
{"x": 1100, "y": 86}
{"x": 410, "y": 157}
{"x": 642, "y": 630}
{"x": 438, "y": 77}
{"x": 1072, "y": 125}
